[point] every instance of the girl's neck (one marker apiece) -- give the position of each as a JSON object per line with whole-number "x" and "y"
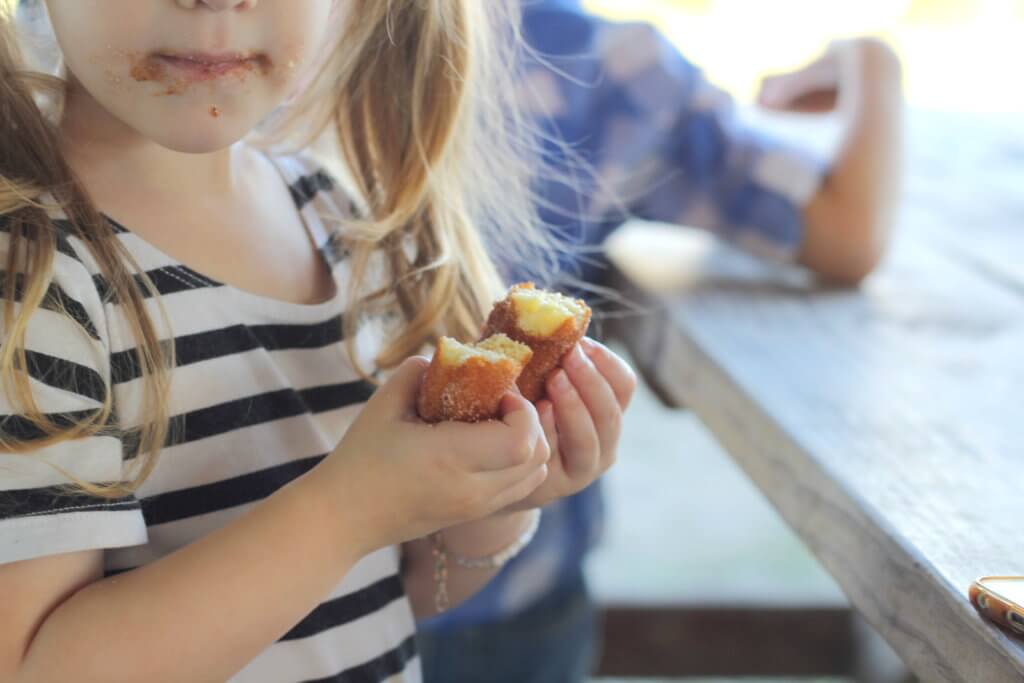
{"x": 109, "y": 156}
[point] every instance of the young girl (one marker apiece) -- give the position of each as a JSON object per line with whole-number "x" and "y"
{"x": 176, "y": 284}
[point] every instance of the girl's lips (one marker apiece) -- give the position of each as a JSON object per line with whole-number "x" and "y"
{"x": 198, "y": 67}
{"x": 177, "y": 71}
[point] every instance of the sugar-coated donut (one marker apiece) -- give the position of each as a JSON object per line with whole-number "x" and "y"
{"x": 466, "y": 382}
{"x": 548, "y": 322}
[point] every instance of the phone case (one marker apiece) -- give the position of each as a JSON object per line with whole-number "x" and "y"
{"x": 1007, "y": 614}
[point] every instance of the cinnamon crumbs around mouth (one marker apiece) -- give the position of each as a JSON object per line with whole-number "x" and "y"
{"x": 149, "y": 69}
{"x": 265, "y": 64}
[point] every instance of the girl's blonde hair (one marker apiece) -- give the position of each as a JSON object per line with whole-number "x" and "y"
{"x": 431, "y": 138}
{"x": 418, "y": 98}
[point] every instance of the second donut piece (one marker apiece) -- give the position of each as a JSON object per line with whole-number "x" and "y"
{"x": 548, "y": 322}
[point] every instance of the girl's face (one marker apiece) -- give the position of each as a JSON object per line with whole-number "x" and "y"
{"x": 191, "y": 75}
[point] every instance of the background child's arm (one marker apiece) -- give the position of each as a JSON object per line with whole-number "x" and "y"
{"x": 847, "y": 221}
{"x": 199, "y": 614}
{"x": 682, "y": 154}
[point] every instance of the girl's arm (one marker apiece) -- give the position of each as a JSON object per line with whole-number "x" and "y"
{"x": 475, "y": 539}
{"x": 199, "y": 614}
{"x": 204, "y": 611}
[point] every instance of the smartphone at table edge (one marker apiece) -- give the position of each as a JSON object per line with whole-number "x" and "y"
{"x": 1000, "y": 599}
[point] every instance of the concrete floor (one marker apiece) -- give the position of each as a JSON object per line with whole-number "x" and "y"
{"x": 721, "y": 680}
{"x": 685, "y": 524}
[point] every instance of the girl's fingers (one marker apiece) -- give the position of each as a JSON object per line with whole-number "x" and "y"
{"x": 598, "y": 396}
{"x": 521, "y": 417}
{"x": 615, "y": 370}
{"x": 546, "y": 412}
{"x": 579, "y": 446}
{"x": 515, "y": 410}
{"x": 397, "y": 395}
{"x": 510, "y": 495}
{"x": 494, "y": 445}
{"x": 508, "y": 486}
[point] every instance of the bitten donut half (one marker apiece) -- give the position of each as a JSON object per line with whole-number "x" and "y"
{"x": 466, "y": 382}
{"x": 548, "y": 322}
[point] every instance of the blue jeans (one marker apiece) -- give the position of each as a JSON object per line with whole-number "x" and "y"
{"x": 554, "y": 641}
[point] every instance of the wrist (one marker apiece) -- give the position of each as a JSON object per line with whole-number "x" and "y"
{"x": 878, "y": 53}
{"x": 488, "y": 535}
{"x": 867, "y": 68}
{"x": 337, "y": 511}
{"x": 482, "y": 560}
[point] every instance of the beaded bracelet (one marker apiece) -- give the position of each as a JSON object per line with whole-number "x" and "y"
{"x": 493, "y": 561}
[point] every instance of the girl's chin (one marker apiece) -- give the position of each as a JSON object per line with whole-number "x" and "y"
{"x": 199, "y": 135}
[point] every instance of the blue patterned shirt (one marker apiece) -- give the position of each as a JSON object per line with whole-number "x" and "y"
{"x": 661, "y": 144}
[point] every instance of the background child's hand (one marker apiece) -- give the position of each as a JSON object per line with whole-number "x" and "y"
{"x": 582, "y": 419}
{"x": 818, "y": 86}
{"x": 408, "y": 478}
{"x": 813, "y": 88}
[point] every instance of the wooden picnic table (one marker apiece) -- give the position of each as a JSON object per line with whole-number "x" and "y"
{"x": 885, "y": 423}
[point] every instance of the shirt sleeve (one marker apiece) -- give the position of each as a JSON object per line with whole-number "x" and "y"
{"x": 68, "y": 362}
{"x": 666, "y": 145}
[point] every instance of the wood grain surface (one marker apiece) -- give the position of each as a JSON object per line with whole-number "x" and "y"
{"x": 884, "y": 423}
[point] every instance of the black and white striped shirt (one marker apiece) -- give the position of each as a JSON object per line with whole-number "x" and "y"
{"x": 264, "y": 389}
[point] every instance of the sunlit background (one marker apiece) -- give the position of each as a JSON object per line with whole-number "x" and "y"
{"x": 961, "y": 55}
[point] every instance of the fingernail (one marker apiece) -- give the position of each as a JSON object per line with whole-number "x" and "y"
{"x": 589, "y": 346}
{"x": 562, "y": 382}
{"x": 576, "y": 358}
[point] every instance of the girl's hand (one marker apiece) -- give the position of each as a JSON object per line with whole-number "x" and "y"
{"x": 408, "y": 478}
{"x": 582, "y": 419}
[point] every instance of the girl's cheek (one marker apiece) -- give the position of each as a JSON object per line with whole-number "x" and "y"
{"x": 299, "y": 67}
